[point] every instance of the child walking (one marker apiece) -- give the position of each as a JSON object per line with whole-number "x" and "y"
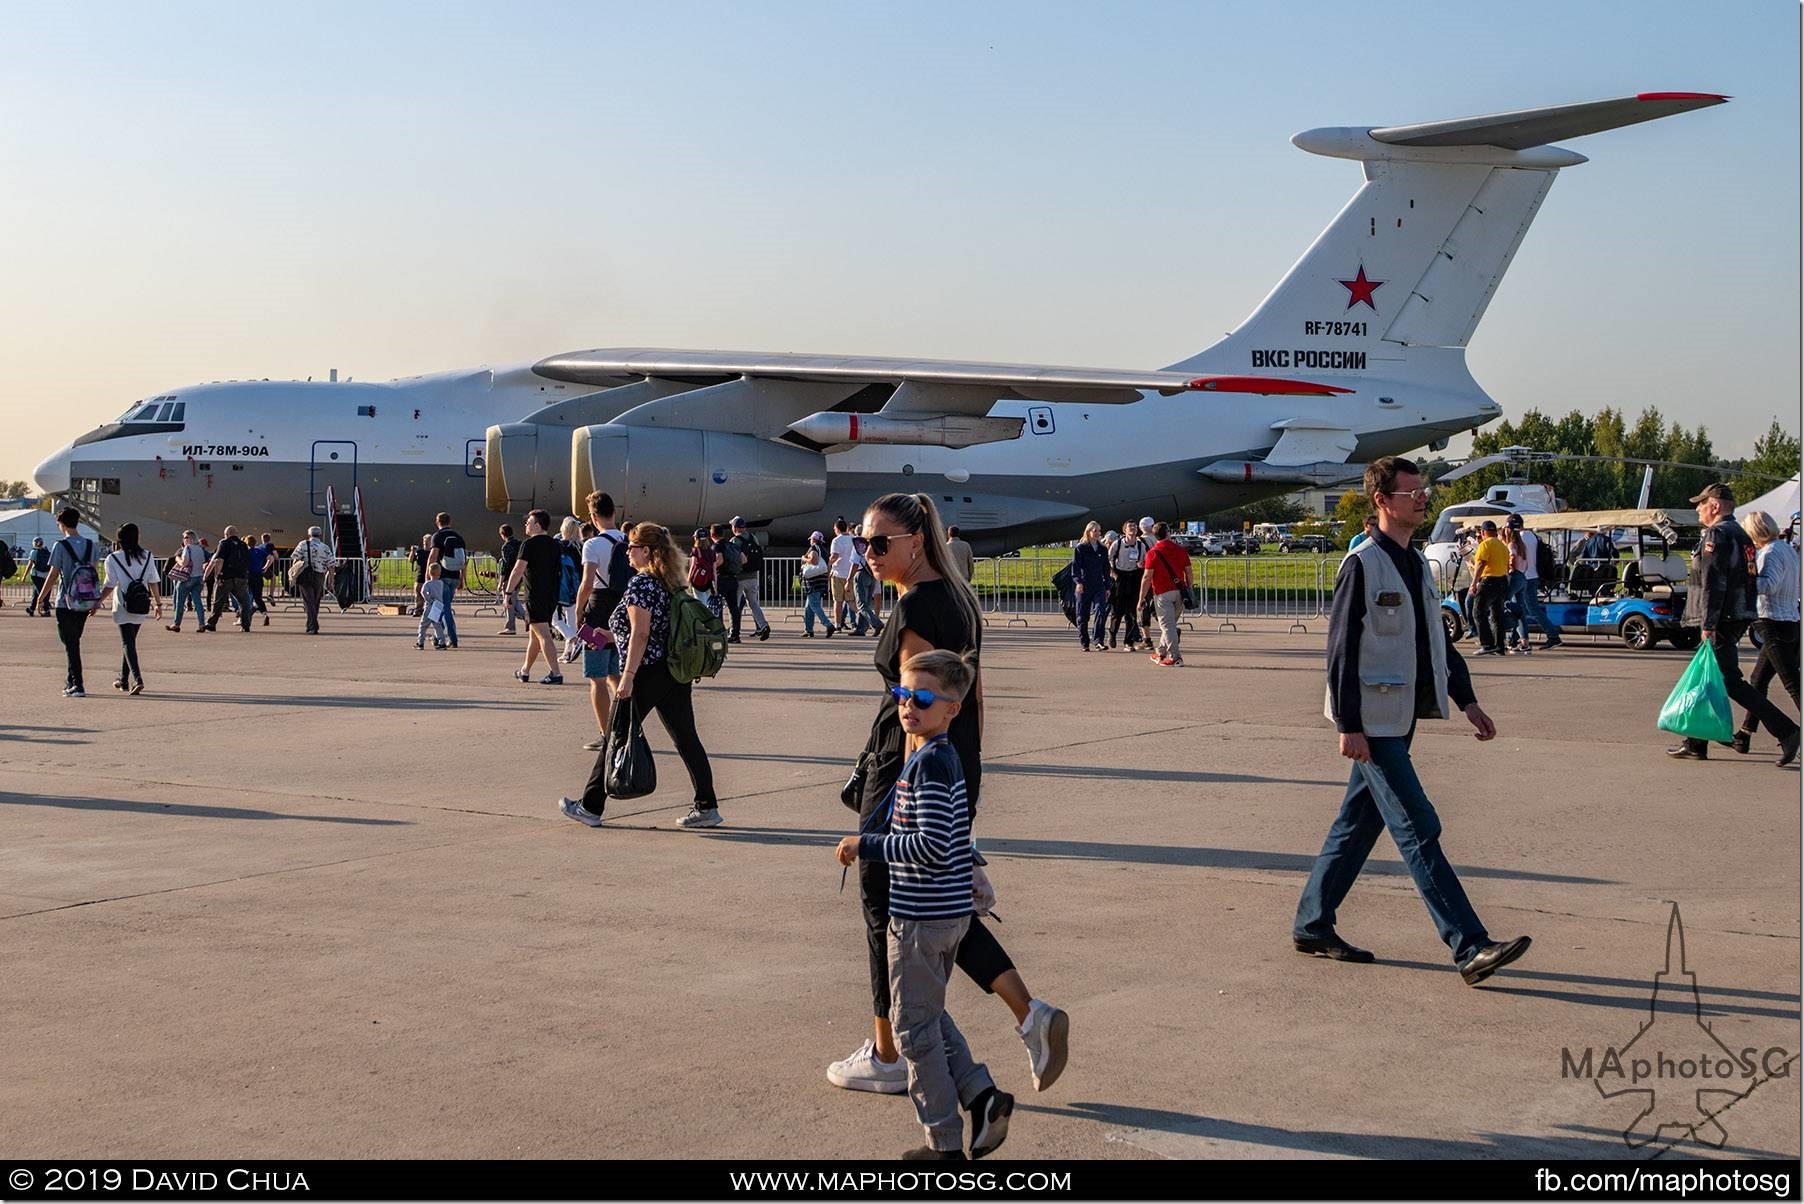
{"x": 928, "y": 848}
{"x": 432, "y": 609}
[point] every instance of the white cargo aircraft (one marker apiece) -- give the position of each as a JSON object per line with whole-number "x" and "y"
{"x": 1358, "y": 352}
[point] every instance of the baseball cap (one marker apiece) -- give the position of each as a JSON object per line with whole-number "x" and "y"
{"x": 1515, "y": 520}
{"x": 701, "y": 533}
{"x": 1715, "y": 489}
{"x": 1488, "y": 525}
{"x": 738, "y": 521}
{"x": 815, "y": 536}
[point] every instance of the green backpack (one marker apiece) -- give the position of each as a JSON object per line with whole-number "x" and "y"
{"x": 698, "y": 640}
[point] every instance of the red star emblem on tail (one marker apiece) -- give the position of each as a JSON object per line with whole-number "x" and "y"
{"x": 1359, "y": 289}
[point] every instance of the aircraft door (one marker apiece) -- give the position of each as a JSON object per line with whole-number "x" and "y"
{"x": 335, "y": 465}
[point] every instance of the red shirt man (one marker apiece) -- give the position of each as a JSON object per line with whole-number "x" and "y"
{"x": 1167, "y": 565}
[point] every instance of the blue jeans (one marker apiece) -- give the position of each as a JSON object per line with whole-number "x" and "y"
{"x": 450, "y": 620}
{"x": 864, "y": 588}
{"x": 814, "y": 604}
{"x": 1392, "y": 798}
{"x": 1515, "y": 613}
{"x": 191, "y": 590}
{"x": 1093, "y": 601}
{"x": 1533, "y": 611}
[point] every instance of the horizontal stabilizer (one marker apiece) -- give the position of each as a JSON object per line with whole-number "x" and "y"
{"x": 1527, "y": 128}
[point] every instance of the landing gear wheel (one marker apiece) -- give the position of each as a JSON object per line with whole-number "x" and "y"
{"x": 1637, "y": 633}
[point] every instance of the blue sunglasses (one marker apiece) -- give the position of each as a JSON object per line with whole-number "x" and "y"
{"x": 922, "y": 698}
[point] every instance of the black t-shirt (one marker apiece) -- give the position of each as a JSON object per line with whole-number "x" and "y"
{"x": 446, "y": 541}
{"x": 544, "y": 557}
{"x": 234, "y": 558}
{"x": 931, "y": 611}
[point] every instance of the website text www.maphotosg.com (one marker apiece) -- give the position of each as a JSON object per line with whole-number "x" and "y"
{"x": 809, "y": 1183}
{"x": 1669, "y": 1184}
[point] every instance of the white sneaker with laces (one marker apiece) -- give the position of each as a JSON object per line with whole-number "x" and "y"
{"x": 697, "y": 818}
{"x": 1045, "y": 1033}
{"x": 864, "y": 1071}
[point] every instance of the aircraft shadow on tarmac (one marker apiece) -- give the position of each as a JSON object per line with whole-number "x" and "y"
{"x": 22, "y": 733}
{"x": 1635, "y": 1002}
{"x": 1150, "y": 854}
{"x": 9, "y": 799}
{"x": 367, "y": 702}
{"x": 1583, "y": 1142}
{"x": 994, "y": 768}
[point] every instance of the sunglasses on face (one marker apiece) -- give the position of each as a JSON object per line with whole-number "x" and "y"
{"x": 880, "y": 543}
{"x": 1418, "y": 495}
{"x": 922, "y": 698}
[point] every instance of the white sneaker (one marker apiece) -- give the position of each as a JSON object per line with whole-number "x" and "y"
{"x": 697, "y": 818}
{"x": 1044, "y": 1034}
{"x": 864, "y": 1071}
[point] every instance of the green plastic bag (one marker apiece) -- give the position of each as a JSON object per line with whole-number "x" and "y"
{"x": 1699, "y": 705}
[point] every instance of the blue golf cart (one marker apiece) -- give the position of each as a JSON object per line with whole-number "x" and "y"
{"x": 1639, "y": 599}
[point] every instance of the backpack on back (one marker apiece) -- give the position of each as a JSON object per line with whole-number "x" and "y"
{"x": 751, "y": 555}
{"x": 137, "y": 595}
{"x": 1545, "y": 566}
{"x": 698, "y": 639}
{"x": 570, "y": 574}
{"x": 453, "y": 555}
{"x": 84, "y": 582}
{"x": 606, "y": 595}
{"x": 731, "y": 560}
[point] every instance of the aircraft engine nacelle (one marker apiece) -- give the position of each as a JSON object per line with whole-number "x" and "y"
{"x": 525, "y": 464}
{"x": 689, "y": 478}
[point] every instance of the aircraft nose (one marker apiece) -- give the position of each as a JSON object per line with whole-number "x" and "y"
{"x": 52, "y": 476}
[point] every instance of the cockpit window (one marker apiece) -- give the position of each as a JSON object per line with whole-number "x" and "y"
{"x": 147, "y": 414}
{"x": 163, "y": 415}
{"x": 1455, "y": 518}
{"x": 181, "y": 407}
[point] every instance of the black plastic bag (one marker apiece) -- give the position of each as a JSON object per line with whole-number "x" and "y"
{"x": 631, "y": 771}
{"x": 1067, "y": 589}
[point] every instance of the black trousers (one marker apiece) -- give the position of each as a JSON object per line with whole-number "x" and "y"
{"x": 128, "y": 664}
{"x": 239, "y": 590}
{"x": 69, "y": 626}
{"x": 728, "y": 588}
{"x": 1491, "y": 593}
{"x": 256, "y": 584}
{"x": 1778, "y": 657}
{"x": 655, "y": 690}
{"x": 1727, "y": 635}
{"x": 980, "y": 955}
{"x": 1127, "y": 603}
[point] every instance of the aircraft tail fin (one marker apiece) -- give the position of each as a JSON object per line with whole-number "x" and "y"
{"x": 1415, "y": 257}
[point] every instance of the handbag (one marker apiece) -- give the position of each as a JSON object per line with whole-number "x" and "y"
{"x": 852, "y": 793}
{"x": 631, "y": 772}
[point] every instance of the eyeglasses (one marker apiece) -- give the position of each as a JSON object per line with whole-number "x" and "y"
{"x": 922, "y": 698}
{"x": 1419, "y": 495}
{"x": 880, "y": 543}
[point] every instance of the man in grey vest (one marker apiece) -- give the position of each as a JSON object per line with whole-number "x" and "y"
{"x": 1390, "y": 664}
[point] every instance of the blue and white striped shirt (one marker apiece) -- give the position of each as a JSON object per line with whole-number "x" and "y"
{"x": 1778, "y": 581}
{"x": 928, "y": 845}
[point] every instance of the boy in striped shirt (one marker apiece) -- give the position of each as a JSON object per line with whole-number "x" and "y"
{"x": 928, "y": 848}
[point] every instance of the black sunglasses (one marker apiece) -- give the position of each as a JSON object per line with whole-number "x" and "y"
{"x": 880, "y": 543}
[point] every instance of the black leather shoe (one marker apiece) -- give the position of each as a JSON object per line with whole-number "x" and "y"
{"x": 1739, "y": 743}
{"x": 1332, "y": 948}
{"x": 1492, "y": 958}
{"x": 1687, "y": 752}
{"x": 1788, "y": 750}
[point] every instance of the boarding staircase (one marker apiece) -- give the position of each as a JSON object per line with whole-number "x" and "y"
{"x": 350, "y": 547}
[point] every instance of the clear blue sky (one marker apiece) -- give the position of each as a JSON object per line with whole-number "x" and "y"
{"x": 206, "y": 191}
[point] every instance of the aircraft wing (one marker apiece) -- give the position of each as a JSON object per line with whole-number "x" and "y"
{"x": 923, "y": 386}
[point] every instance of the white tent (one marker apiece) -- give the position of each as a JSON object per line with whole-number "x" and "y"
{"x": 1781, "y": 503}
{"x": 17, "y": 527}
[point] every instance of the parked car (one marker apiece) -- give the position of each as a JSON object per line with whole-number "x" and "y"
{"x": 1304, "y": 543}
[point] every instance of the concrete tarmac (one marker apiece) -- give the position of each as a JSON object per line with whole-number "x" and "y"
{"x": 312, "y": 897}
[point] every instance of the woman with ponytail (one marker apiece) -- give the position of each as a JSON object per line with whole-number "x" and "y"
{"x": 131, "y": 581}
{"x": 935, "y": 608}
